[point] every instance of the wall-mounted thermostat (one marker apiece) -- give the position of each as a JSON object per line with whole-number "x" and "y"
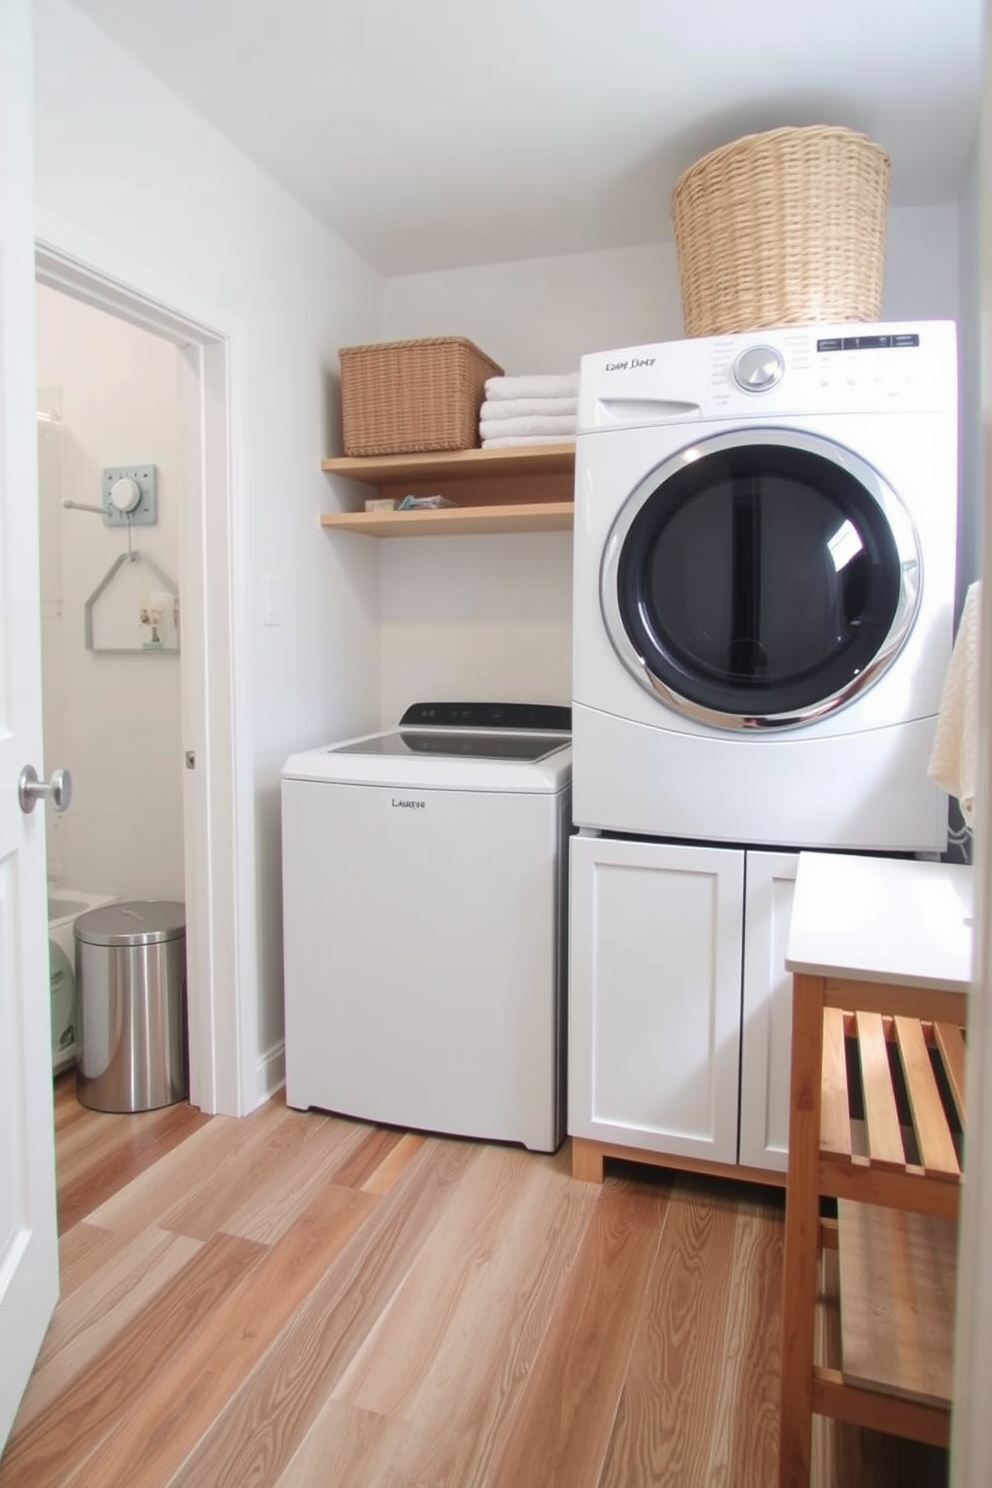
{"x": 129, "y": 495}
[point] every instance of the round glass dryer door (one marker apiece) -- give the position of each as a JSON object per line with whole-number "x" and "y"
{"x": 760, "y": 579}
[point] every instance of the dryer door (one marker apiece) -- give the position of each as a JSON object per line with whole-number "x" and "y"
{"x": 760, "y": 579}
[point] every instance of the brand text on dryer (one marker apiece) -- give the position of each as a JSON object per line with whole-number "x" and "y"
{"x": 410, "y": 805}
{"x": 632, "y": 364}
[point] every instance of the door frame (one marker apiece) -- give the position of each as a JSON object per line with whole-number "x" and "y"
{"x": 218, "y": 793}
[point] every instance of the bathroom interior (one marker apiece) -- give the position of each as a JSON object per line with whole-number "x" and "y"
{"x": 108, "y": 400}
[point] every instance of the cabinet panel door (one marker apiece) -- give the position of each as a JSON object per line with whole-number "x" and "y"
{"x": 654, "y": 1002}
{"x": 766, "y": 1030}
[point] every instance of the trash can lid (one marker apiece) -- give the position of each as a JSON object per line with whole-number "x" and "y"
{"x": 140, "y": 922}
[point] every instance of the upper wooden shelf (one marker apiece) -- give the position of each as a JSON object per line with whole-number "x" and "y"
{"x": 525, "y": 489}
{"x": 480, "y": 464}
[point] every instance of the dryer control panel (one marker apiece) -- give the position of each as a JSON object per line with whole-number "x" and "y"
{"x": 793, "y": 370}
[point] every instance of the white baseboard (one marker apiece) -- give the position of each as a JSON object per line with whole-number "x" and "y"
{"x": 270, "y": 1072}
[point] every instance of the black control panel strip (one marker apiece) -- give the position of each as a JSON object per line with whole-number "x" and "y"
{"x": 542, "y": 718}
{"x": 868, "y": 343}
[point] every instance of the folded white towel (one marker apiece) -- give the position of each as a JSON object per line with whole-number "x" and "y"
{"x": 505, "y": 408}
{"x": 529, "y": 439}
{"x": 562, "y": 424}
{"x": 561, "y": 385}
{"x": 954, "y": 757}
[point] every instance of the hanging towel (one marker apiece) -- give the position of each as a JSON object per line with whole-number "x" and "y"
{"x": 953, "y": 759}
{"x": 561, "y": 424}
{"x": 529, "y": 439}
{"x": 560, "y": 385}
{"x": 528, "y": 407}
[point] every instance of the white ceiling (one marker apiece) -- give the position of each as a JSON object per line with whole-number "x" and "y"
{"x": 431, "y": 134}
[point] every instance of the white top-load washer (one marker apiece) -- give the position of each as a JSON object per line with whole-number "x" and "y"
{"x": 763, "y": 593}
{"x": 424, "y": 909}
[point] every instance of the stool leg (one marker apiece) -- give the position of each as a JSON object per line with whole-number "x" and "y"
{"x": 802, "y": 1210}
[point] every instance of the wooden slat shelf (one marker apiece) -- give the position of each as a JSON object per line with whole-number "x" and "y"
{"x": 526, "y": 489}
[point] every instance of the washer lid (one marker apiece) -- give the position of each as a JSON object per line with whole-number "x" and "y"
{"x": 140, "y": 922}
{"x": 485, "y": 744}
{"x": 519, "y": 747}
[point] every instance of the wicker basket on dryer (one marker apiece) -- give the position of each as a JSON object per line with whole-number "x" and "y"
{"x": 782, "y": 228}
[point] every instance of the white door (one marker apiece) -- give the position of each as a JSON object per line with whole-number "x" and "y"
{"x": 655, "y": 996}
{"x": 766, "y": 1025}
{"x": 28, "y": 1245}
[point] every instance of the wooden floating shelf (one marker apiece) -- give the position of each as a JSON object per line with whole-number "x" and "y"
{"x": 449, "y": 521}
{"x": 525, "y": 489}
{"x": 490, "y": 464}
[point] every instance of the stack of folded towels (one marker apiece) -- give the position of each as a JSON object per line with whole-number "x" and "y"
{"x": 529, "y": 410}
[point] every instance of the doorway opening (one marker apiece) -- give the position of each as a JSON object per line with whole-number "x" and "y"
{"x": 198, "y": 765}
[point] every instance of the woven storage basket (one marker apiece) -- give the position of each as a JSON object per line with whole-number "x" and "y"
{"x": 401, "y": 397}
{"x": 782, "y": 228}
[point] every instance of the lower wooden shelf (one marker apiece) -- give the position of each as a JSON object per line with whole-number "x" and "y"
{"x": 897, "y": 1275}
{"x": 536, "y": 516}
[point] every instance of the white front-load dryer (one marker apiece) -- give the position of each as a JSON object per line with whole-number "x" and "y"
{"x": 764, "y": 559}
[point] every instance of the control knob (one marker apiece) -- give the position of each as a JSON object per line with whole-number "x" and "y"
{"x": 759, "y": 368}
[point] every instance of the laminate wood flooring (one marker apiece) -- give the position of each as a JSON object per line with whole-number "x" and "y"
{"x": 300, "y": 1301}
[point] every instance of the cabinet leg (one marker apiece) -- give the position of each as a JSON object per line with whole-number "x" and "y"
{"x": 587, "y": 1161}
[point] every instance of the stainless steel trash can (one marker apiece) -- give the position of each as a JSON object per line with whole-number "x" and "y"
{"x": 131, "y": 1006}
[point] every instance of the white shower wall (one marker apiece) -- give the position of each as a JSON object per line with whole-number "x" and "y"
{"x": 113, "y": 720}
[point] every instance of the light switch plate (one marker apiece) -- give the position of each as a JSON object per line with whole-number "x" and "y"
{"x": 145, "y": 514}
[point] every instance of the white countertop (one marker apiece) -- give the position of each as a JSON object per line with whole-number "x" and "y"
{"x": 882, "y": 920}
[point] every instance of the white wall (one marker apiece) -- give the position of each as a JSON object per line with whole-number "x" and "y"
{"x": 132, "y": 180}
{"x": 479, "y": 618}
{"x": 541, "y": 314}
{"x": 114, "y": 720}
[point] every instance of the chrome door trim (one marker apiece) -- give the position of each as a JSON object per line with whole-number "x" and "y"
{"x": 903, "y": 534}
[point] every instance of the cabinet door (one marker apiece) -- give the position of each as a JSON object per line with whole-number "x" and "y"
{"x": 766, "y": 1029}
{"x": 654, "y": 999}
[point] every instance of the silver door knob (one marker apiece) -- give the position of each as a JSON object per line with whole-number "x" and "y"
{"x": 58, "y": 790}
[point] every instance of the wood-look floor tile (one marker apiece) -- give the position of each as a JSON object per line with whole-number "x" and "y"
{"x": 661, "y": 1435}
{"x": 98, "y": 1312}
{"x": 84, "y": 1250}
{"x": 151, "y": 1441}
{"x": 563, "y": 1428}
{"x": 743, "y": 1441}
{"x": 550, "y": 1330}
{"x": 158, "y": 1133}
{"x": 52, "y": 1449}
{"x": 382, "y": 1178}
{"x": 273, "y": 1180}
{"x": 268, "y": 1213}
{"x": 343, "y": 1448}
{"x": 372, "y": 1151}
{"x": 464, "y": 1411}
{"x": 387, "y": 1371}
{"x": 254, "y": 1439}
{"x": 212, "y": 1156}
{"x": 67, "y": 1109}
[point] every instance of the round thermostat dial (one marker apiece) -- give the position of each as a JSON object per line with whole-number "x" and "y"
{"x": 125, "y": 494}
{"x": 758, "y": 369}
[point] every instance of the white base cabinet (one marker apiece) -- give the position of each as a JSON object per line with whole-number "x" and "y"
{"x": 766, "y": 1011}
{"x": 679, "y": 1013}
